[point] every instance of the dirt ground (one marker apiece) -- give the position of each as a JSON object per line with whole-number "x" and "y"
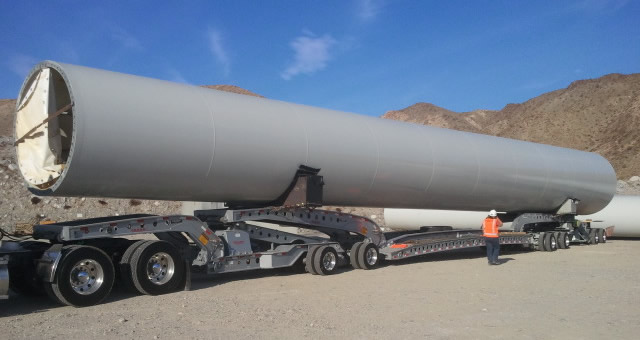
{"x": 586, "y": 292}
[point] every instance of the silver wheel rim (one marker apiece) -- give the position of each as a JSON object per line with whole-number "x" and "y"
{"x": 604, "y": 237}
{"x": 567, "y": 242}
{"x": 86, "y": 277}
{"x": 553, "y": 243}
{"x": 160, "y": 268}
{"x": 371, "y": 256}
{"x": 329, "y": 261}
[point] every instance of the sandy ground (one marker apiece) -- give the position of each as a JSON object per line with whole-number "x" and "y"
{"x": 587, "y": 292}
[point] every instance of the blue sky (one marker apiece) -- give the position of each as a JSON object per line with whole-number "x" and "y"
{"x": 365, "y": 56}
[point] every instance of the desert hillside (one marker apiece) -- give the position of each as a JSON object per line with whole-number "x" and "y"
{"x": 600, "y": 115}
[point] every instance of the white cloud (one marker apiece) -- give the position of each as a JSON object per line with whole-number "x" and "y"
{"x": 176, "y": 76}
{"x": 21, "y": 64}
{"x": 367, "y": 9}
{"x": 124, "y": 38}
{"x": 218, "y": 50}
{"x": 311, "y": 54}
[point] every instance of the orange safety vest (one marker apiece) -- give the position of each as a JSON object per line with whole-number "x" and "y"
{"x": 490, "y": 227}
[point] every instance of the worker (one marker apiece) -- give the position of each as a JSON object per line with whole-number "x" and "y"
{"x": 491, "y": 238}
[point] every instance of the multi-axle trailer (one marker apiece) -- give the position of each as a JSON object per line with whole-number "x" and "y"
{"x": 78, "y": 262}
{"x": 83, "y": 132}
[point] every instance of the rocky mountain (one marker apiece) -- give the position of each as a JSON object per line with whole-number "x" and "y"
{"x": 599, "y": 115}
{"x": 232, "y": 88}
{"x": 7, "y": 108}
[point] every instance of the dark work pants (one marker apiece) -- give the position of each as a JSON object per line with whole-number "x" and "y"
{"x": 493, "y": 248}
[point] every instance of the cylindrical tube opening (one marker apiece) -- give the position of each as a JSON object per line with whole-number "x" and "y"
{"x": 43, "y": 128}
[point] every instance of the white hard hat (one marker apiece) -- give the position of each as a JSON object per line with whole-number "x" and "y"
{"x": 493, "y": 213}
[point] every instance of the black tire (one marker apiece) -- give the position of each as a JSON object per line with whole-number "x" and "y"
{"x": 125, "y": 266}
{"x": 308, "y": 266}
{"x": 368, "y": 256}
{"x": 560, "y": 239}
{"x": 542, "y": 242}
{"x": 603, "y": 235}
{"x": 557, "y": 235}
{"x": 50, "y": 293}
{"x": 552, "y": 243}
{"x": 157, "y": 268}
{"x": 563, "y": 241}
{"x": 567, "y": 240}
{"x": 93, "y": 271}
{"x": 353, "y": 255}
{"x": 49, "y": 290}
{"x": 325, "y": 260}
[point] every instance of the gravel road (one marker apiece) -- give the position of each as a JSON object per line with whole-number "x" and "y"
{"x": 587, "y": 292}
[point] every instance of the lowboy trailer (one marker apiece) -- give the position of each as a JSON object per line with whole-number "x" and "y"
{"x": 78, "y": 262}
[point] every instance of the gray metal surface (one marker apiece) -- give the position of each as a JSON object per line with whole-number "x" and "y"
{"x": 136, "y": 137}
{"x": 427, "y": 243}
{"x": 197, "y": 231}
{"x": 328, "y": 222}
{"x": 623, "y": 212}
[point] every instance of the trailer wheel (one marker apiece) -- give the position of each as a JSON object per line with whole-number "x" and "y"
{"x": 602, "y": 235}
{"x": 48, "y": 286}
{"x": 560, "y": 239}
{"x": 368, "y": 256}
{"x": 325, "y": 260}
{"x": 596, "y": 234}
{"x": 353, "y": 255}
{"x": 126, "y": 278}
{"x": 593, "y": 239}
{"x": 551, "y": 242}
{"x": 308, "y": 266}
{"x": 84, "y": 276}
{"x": 563, "y": 240}
{"x": 156, "y": 268}
{"x": 542, "y": 242}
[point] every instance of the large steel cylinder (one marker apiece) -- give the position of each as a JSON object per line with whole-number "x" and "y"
{"x": 134, "y": 137}
{"x": 623, "y": 213}
{"x": 414, "y": 219}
